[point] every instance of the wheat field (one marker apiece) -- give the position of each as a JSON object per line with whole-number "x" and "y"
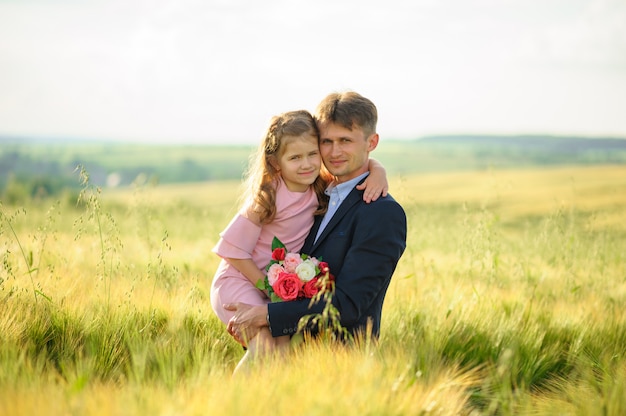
{"x": 509, "y": 300}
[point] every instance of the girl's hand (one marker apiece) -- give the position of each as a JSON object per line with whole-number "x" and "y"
{"x": 375, "y": 184}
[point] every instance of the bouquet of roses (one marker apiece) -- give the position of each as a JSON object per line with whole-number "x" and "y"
{"x": 292, "y": 276}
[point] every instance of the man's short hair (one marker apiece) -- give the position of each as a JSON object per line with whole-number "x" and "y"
{"x": 348, "y": 109}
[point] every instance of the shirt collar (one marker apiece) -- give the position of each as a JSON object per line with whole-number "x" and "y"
{"x": 344, "y": 188}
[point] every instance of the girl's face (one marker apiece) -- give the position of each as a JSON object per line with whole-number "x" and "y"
{"x": 299, "y": 162}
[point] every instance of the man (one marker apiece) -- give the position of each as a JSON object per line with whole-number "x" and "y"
{"x": 362, "y": 243}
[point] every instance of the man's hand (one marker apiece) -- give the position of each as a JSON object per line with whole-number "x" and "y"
{"x": 246, "y": 322}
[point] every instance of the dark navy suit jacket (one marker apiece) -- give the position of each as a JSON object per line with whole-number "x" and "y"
{"x": 362, "y": 245}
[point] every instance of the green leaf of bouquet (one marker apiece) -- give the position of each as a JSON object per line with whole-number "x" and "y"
{"x": 260, "y": 284}
{"x": 276, "y": 243}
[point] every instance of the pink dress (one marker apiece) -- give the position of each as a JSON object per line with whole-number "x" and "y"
{"x": 242, "y": 239}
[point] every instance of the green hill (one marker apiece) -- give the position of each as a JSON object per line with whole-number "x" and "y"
{"x": 47, "y": 167}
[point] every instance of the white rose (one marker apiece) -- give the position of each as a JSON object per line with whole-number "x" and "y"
{"x": 306, "y": 270}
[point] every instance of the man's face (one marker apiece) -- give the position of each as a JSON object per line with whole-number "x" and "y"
{"x": 345, "y": 152}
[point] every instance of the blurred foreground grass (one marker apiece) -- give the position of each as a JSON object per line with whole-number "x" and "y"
{"x": 509, "y": 300}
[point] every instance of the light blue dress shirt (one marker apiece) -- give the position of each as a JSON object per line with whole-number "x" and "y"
{"x": 337, "y": 192}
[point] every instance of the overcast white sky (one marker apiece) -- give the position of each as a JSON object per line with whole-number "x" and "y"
{"x": 214, "y": 71}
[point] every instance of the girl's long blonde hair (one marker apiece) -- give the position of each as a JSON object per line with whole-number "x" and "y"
{"x": 262, "y": 177}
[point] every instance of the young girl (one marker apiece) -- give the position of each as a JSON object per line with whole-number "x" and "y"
{"x": 285, "y": 189}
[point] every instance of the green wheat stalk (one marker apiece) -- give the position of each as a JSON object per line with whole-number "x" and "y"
{"x": 90, "y": 196}
{"x": 28, "y": 259}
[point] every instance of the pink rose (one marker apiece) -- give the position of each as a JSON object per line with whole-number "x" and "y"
{"x": 287, "y": 286}
{"x": 292, "y": 260}
{"x": 279, "y": 254}
{"x": 273, "y": 272}
{"x": 310, "y": 288}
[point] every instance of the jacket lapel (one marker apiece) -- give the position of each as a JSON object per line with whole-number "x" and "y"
{"x": 353, "y": 198}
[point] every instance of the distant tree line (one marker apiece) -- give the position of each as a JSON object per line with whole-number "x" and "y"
{"x": 36, "y": 169}
{"x": 23, "y": 177}
{"x": 536, "y": 149}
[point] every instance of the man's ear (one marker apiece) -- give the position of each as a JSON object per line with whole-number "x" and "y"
{"x": 372, "y": 142}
